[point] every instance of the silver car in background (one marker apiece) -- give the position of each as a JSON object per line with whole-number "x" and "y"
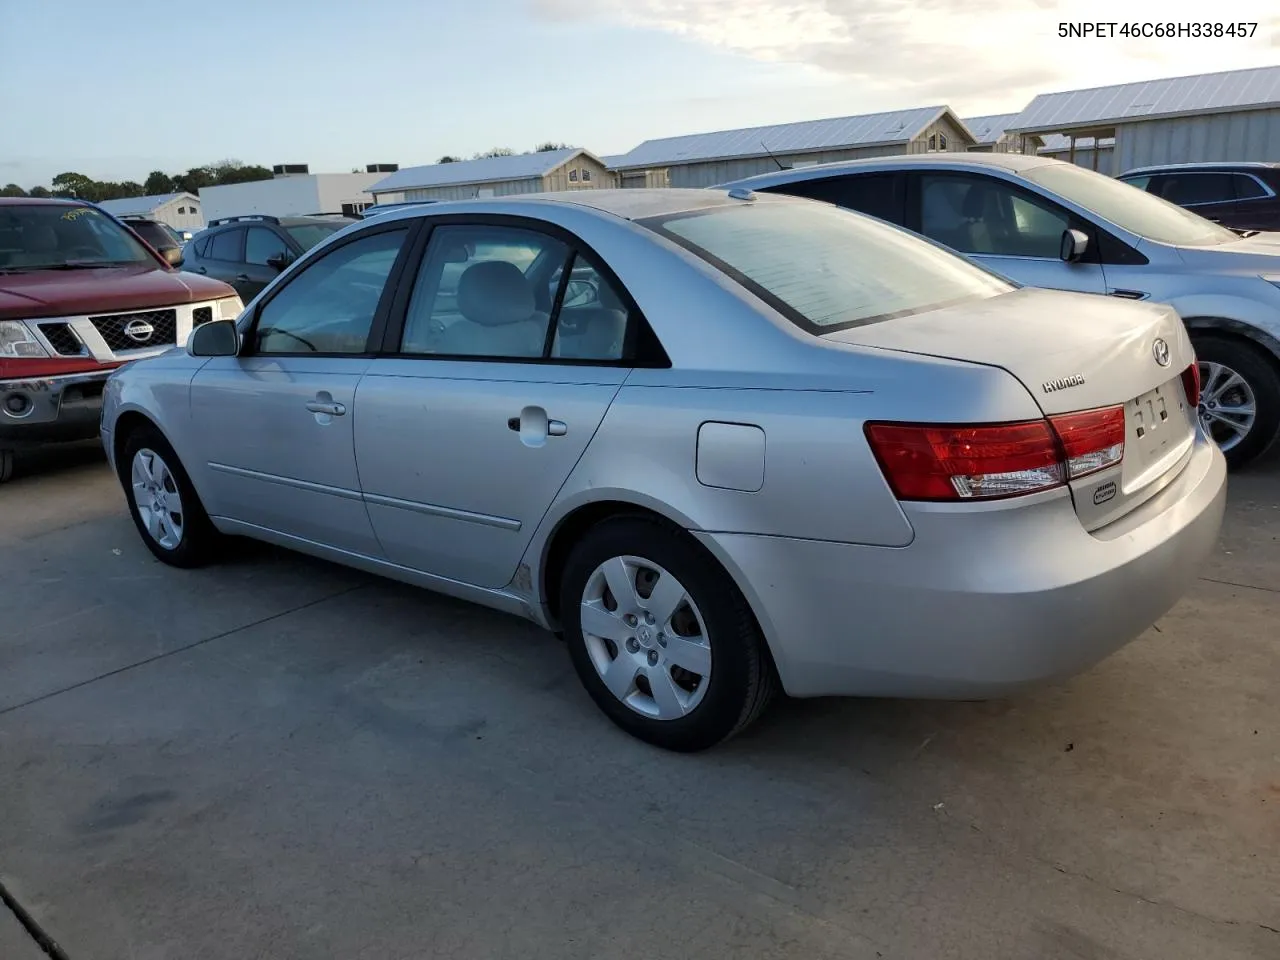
{"x": 1009, "y": 212}
{"x": 722, "y": 444}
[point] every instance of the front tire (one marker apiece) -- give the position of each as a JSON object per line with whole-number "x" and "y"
{"x": 163, "y": 503}
{"x": 661, "y": 637}
{"x": 1239, "y": 397}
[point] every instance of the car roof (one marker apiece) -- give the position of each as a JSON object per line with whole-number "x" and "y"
{"x": 1014, "y": 162}
{"x": 31, "y": 201}
{"x": 1225, "y": 165}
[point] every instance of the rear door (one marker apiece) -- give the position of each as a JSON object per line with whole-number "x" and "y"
{"x": 223, "y": 257}
{"x": 496, "y": 384}
{"x": 1008, "y": 229}
{"x": 1210, "y": 194}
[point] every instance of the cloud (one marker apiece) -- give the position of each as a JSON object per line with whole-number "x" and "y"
{"x": 977, "y": 55}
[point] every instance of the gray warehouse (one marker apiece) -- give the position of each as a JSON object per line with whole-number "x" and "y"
{"x": 569, "y": 169}
{"x": 1233, "y": 115}
{"x": 706, "y": 159}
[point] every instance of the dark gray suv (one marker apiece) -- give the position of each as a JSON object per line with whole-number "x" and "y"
{"x": 247, "y": 252}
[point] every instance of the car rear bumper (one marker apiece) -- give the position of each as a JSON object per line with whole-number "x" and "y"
{"x": 983, "y": 601}
{"x": 53, "y": 409}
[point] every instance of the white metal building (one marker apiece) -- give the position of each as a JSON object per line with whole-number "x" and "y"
{"x": 1233, "y": 115}
{"x": 291, "y": 195}
{"x": 570, "y": 169}
{"x": 181, "y": 211}
{"x": 706, "y": 159}
{"x": 991, "y": 135}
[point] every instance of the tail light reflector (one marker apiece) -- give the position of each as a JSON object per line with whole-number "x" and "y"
{"x": 989, "y": 461}
{"x": 1191, "y": 383}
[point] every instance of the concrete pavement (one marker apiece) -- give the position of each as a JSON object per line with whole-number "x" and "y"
{"x": 280, "y": 758}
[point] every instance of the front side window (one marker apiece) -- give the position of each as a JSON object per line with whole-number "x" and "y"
{"x": 50, "y": 236}
{"x": 1139, "y": 213}
{"x": 262, "y": 245}
{"x": 982, "y": 215}
{"x": 825, "y": 268}
{"x": 476, "y": 294}
{"x": 328, "y": 307}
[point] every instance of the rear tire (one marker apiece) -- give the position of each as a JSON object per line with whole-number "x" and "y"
{"x": 1220, "y": 357}
{"x": 163, "y": 503}
{"x": 689, "y": 672}
{"x": 6, "y": 465}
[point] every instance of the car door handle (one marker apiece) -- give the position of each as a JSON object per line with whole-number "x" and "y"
{"x": 1130, "y": 294}
{"x": 332, "y": 408}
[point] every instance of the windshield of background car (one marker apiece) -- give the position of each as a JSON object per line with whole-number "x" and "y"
{"x": 43, "y": 236}
{"x": 825, "y": 268}
{"x": 308, "y": 235}
{"x": 154, "y": 233}
{"x": 1129, "y": 207}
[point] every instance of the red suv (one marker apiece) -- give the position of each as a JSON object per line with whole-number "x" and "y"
{"x": 81, "y": 294}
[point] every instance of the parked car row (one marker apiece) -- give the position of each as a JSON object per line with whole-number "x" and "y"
{"x": 724, "y": 442}
{"x": 1045, "y": 223}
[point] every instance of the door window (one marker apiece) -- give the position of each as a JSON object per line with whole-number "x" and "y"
{"x": 329, "y": 306}
{"x": 226, "y": 245}
{"x": 1189, "y": 189}
{"x": 982, "y": 215}
{"x": 261, "y": 244}
{"x": 591, "y": 323}
{"x": 483, "y": 291}
{"x": 877, "y": 195}
{"x": 1248, "y": 188}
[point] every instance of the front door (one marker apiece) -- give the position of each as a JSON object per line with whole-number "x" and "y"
{"x": 499, "y": 383}
{"x": 1007, "y": 229}
{"x": 263, "y": 248}
{"x": 275, "y": 425}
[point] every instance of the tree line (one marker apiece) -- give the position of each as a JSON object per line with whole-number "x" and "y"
{"x": 81, "y": 187}
{"x": 504, "y": 152}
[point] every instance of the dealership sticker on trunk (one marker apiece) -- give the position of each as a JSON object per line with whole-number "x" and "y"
{"x": 1104, "y": 493}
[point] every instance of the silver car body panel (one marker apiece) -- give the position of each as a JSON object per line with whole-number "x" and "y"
{"x": 423, "y": 479}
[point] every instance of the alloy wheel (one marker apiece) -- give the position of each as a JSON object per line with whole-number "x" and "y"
{"x": 646, "y": 638}
{"x": 1228, "y": 407}
{"x": 155, "y": 494}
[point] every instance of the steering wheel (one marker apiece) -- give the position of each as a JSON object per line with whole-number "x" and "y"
{"x": 274, "y": 331}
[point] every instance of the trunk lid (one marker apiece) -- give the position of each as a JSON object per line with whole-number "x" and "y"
{"x": 1074, "y": 352}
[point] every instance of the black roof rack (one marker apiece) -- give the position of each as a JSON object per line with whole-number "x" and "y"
{"x": 264, "y": 217}
{"x": 330, "y": 213}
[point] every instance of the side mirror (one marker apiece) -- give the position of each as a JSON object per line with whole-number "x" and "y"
{"x": 172, "y": 256}
{"x": 1074, "y": 244}
{"x": 581, "y": 293}
{"x": 219, "y": 338}
{"x": 279, "y": 261}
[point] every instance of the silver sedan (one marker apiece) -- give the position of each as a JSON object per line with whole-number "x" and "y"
{"x": 725, "y": 443}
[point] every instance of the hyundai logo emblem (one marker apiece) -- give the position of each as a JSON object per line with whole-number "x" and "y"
{"x": 140, "y": 331}
{"x": 1160, "y": 350}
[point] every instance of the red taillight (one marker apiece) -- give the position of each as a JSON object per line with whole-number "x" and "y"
{"x": 949, "y": 462}
{"x": 1191, "y": 383}
{"x": 1091, "y": 440}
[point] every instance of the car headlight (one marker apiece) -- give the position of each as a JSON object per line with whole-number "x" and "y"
{"x": 17, "y": 340}
{"x": 229, "y": 308}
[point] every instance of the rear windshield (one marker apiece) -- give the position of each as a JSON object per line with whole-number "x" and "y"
{"x": 54, "y": 236}
{"x": 826, "y": 268}
{"x": 309, "y": 234}
{"x": 1129, "y": 207}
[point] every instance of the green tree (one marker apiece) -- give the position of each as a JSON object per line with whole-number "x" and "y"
{"x": 41, "y": 192}
{"x": 243, "y": 174}
{"x": 194, "y": 179}
{"x": 496, "y": 152}
{"x": 448, "y": 159}
{"x": 74, "y": 185}
{"x": 158, "y": 182}
{"x": 12, "y": 190}
{"x": 550, "y": 146}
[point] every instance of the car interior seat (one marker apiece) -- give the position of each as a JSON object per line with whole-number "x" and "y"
{"x": 499, "y": 314}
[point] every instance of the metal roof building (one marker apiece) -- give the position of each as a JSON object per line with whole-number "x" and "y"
{"x": 569, "y": 169}
{"x": 705, "y": 159}
{"x": 1233, "y": 115}
{"x": 179, "y": 210}
{"x": 991, "y": 135}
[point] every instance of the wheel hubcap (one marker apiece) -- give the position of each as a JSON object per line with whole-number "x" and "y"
{"x": 646, "y": 638}
{"x": 1228, "y": 406}
{"x": 155, "y": 494}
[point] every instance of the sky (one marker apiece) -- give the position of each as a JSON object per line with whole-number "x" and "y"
{"x": 115, "y": 89}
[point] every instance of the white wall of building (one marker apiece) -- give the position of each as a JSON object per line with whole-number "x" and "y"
{"x": 290, "y": 196}
{"x": 182, "y": 213}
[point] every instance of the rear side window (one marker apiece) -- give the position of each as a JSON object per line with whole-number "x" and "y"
{"x": 1188, "y": 189}
{"x": 824, "y": 268}
{"x": 1247, "y": 188}
{"x": 226, "y": 245}
{"x": 877, "y": 195}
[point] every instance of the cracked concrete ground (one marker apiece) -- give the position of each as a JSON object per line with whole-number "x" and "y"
{"x": 281, "y": 758}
